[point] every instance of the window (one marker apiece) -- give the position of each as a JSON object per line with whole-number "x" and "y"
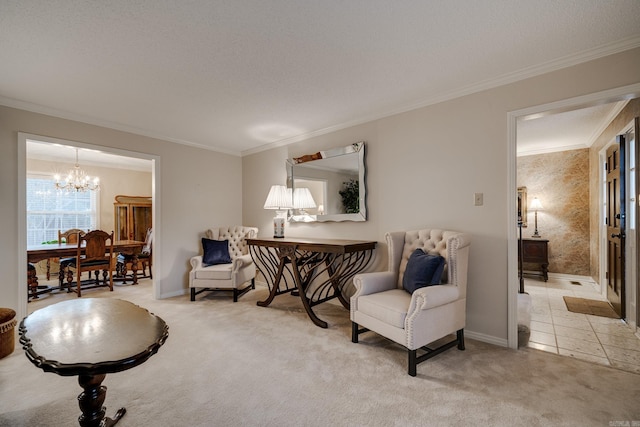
{"x": 50, "y": 210}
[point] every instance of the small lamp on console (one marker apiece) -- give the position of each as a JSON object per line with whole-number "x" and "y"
{"x": 536, "y": 206}
{"x": 280, "y": 200}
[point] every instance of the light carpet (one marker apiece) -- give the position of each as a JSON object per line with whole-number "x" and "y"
{"x": 228, "y": 364}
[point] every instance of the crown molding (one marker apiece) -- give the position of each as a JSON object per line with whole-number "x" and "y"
{"x": 548, "y": 150}
{"x": 61, "y": 114}
{"x": 525, "y": 73}
{"x": 602, "y": 126}
{"x": 607, "y": 121}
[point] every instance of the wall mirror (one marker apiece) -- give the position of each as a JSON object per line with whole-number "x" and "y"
{"x": 328, "y": 185}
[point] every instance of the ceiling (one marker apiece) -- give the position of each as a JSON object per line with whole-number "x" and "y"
{"x": 241, "y": 76}
{"x": 58, "y": 153}
{"x": 568, "y": 130}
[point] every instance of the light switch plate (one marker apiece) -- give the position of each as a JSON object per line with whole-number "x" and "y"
{"x": 478, "y": 199}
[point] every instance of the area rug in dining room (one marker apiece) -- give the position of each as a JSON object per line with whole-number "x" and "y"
{"x": 590, "y": 306}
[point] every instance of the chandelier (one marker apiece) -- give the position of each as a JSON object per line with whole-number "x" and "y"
{"x": 77, "y": 180}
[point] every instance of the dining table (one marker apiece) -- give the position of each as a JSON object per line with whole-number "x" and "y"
{"x": 41, "y": 252}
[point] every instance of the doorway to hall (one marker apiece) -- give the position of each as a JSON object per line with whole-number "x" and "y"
{"x": 552, "y": 326}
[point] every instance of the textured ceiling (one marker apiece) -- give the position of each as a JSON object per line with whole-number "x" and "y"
{"x": 237, "y": 76}
{"x": 57, "y": 153}
{"x": 569, "y": 130}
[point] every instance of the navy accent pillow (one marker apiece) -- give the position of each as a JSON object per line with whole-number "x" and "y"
{"x": 422, "y": 270}
{"x": 215, "y": 252}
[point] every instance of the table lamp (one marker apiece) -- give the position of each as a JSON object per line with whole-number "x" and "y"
{"x": 280, "y": 200}
{"x": 536, "y": 206}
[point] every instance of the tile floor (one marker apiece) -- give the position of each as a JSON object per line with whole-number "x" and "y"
{"x": 596, "y": 339}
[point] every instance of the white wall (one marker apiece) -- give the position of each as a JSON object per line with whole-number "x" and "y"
{"x": 198, "y": 188}
{"x": 424, "y": 166}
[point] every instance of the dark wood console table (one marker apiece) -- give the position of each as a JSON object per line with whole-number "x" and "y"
{"x": 92, "y": 337}
{"x": 536, "y": 251}
{"x": 314, "y": 269}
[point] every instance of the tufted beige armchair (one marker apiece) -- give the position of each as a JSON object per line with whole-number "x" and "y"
{"x": 380, "y": 303}
{"x": 230, "y": 276}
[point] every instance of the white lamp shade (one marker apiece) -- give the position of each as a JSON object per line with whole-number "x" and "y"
{"x": 302, "y": 199}
{"x": 279, "y": 198}
{"x": 536, "y": 205}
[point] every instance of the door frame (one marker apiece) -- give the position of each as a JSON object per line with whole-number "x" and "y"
{"x": 632, "y": 241}
{"x": 622, "y": 193}
{"x": 611, "y": 95}
{"x": 630, "y": 229}
{"x": 22, "y": 207}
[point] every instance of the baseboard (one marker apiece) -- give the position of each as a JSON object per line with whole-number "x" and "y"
{"x": 568, "y": 277}
{"x": 489, "y": 339}
{"x": 574, "y": 277}
{"x": 186, "y": 291}
{"x": 561, "y": 276}
{"x": 174, "y": 293}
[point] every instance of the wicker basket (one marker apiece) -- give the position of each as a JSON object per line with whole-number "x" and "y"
{"x": 7, "y": 335}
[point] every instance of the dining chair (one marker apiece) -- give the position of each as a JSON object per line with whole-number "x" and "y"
{"x": 70, "y": 236}
{"x": 145, "y": 259}
{"x": 32, "y": 282}
{"x": 94, "y": 253}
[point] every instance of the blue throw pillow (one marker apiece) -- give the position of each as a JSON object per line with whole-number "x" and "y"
{"x": 422, "y": 270}
{"x": 215, "y": 252}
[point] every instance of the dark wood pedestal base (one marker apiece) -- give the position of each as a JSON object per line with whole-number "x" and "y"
{"x": 91, "y": 400}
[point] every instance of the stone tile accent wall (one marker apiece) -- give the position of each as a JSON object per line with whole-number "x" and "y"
{"x": 561, "y": 182}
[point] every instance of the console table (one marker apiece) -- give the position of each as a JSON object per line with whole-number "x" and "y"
{"x": 536, "y": 251}
{"x": 314, "y": 269}
{"x": 92, "y": 337}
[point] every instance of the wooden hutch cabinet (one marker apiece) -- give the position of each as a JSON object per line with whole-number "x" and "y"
{"x": 132, "y": 217}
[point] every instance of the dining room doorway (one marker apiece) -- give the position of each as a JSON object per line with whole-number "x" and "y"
{"x": 99, "y": 158}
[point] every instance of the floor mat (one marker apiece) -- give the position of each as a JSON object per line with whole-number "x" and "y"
{"x": 590, "y": 306}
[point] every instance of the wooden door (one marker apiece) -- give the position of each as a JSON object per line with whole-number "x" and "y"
{"x": 615, "y": 221}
